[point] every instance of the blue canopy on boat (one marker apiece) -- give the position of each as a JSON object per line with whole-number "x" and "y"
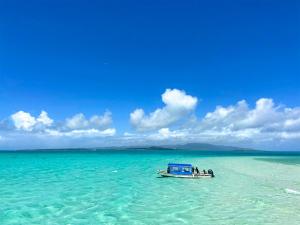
{"x": 180, "y": 169}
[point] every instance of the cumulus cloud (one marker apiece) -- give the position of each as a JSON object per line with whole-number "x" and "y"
{"x": 178, "y": 105}
{"x": 77, "y": 126}
{"x": 265, "y": 125}
{"x": 235, "y": 124}
{"x": 25, "y": 121}
{"x": 166, "y": 133}
{"x": 79, "y": 121}
{"x": 266, "y": 117}
{"x": 44, "y": 119}
{"x": 82, "y": 133}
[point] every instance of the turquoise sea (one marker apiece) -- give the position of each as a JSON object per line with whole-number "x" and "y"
{"x": 121, "y": 187}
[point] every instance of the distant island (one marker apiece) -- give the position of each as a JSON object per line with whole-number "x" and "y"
{"x": 193, "y": 146}
{"x": 187, "y": 147}
{"x": 205, "y": 148}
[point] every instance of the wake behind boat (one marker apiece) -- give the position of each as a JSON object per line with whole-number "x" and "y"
{"x": 185, "y": 171}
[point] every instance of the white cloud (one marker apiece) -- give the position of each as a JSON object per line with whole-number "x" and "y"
{"x": 82, "y": 133}
{"x": 178, "y": 105}
{"x": 101, "y": 121}
{"x": 127, "y": 134}
{"x": 178, "y": 99}
{"x": 290, "y": 136}
{"x": 266, "y": 124}
{"x": 166, "y": 133}
{"x": 79, "y": 121}
{"x": 76, "y": 127}
{"x": 266, "y": 117}
{"x": 44, "y": 119}
{"x": 25, "y": 121}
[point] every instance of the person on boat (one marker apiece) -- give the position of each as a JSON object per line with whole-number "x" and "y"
{"x": 193, "y": 170}
{"x": 204, "y": 171}
{"x": 168, "y": 170}
{"x": 197, "y": 170}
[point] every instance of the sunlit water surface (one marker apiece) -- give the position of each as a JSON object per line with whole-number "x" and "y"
{"x": 121, "y": 187}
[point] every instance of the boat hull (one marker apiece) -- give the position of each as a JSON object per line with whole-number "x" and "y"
{"x": 194, "y": 176}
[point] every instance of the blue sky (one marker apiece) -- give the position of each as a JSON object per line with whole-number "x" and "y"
{"x": 89, "y": 57}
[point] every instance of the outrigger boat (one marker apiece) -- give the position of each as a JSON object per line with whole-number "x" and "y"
{"x": 185, "y": 171}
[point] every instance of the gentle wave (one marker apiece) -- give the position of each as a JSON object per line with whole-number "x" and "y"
{"x": 291, "y": 191}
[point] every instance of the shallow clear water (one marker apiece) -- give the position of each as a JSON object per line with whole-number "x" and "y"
{"x": 123, "y": 188}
